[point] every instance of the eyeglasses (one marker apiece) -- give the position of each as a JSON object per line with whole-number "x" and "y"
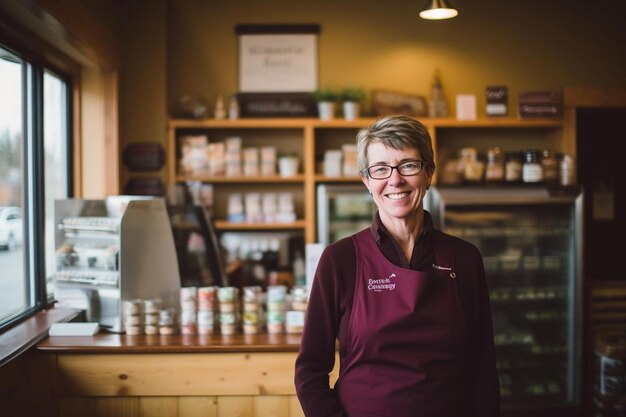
{"x": 406, "y": 169}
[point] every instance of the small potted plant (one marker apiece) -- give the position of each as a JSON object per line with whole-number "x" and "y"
{"x": 352, "y": 98}
{"x": 326, "y": 99}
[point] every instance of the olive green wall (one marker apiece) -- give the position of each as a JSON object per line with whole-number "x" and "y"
{"x": 384, "y": 44}
{"x": 189, "y": 47}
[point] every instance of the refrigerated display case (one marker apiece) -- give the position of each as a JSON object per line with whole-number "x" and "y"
{"x": 530, "y": 239}
{"x": 342, "y": 210}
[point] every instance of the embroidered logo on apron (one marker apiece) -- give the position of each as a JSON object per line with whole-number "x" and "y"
{"x": 381, "y": 284}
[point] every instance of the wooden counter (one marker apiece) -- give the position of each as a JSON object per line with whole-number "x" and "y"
{"x": 169, "y": 376}
{"x": 115, "y": 343}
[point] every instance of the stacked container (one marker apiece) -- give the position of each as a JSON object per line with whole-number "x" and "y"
{"x": 188, "y": 310}
{"x": 295, "y": 316}
{"x": 207, "y": 307}
{"x": 228, "y": 299}
{"x": 133, "y": 318}
{"x": 151, "y": 316}
{"x": 252, "y": 303}
{"x": 276, "y": 307}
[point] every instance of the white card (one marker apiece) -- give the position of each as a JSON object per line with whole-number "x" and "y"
{"x": 74, "y": 329}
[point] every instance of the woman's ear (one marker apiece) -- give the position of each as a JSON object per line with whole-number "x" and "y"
{"x": 366, "y": 181}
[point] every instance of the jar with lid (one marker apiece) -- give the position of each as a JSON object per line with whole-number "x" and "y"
{"x": 532, "y": 171}
{"x": 473, "y": 169}
{"x": 550, "y": 166}
{"x": 494, "y": 171}
{"x": 513, "y": 167}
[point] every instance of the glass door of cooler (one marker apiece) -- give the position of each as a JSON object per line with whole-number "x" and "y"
{"x": 529, "y": 239}
{"x": 342, "y": 210}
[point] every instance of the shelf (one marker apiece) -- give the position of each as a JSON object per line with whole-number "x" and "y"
{"x": 223, "y": 225}
{"x": 323, "y": 178}
{"x": 286, "y": 123}
{"x": 239, "y": 123}
{"x": 495, "y": 122}
{"x": 239, "y": 180}
{"x": 310, "y": 137}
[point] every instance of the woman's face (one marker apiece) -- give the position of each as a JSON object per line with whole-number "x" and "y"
{"x": 398, "y": 196}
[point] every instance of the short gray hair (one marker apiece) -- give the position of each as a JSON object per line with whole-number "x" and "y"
{"x": 396, "y": 132}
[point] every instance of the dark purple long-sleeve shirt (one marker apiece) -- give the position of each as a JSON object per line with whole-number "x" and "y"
{"x": 329, "y": 311}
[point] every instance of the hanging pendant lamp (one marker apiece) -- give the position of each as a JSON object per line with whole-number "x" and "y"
{"x": 438, "y": 10}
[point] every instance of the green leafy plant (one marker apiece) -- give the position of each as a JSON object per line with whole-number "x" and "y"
{"x": 353, "y": 94}
{"x": 325, "y": 94}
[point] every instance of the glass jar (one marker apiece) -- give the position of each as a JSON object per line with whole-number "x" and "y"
{"x": 550, "y": 166}
{"x": 567, "y": 170}
{"x": 532, "y": 171}
{"x": 494, "y": 171}
{"x": 473, "y": 169}
{"x": 513, "y": 167}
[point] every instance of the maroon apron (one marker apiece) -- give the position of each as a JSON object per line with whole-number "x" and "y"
{"x": 406, "y": 335}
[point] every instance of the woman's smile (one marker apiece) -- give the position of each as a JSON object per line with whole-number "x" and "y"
{"x": 398, "y": 196}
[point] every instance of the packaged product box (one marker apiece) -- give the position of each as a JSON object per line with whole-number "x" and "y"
{"x": 540, "y": 104}
{"x": 497, "y": 99}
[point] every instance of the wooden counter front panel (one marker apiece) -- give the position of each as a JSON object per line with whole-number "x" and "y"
{"x": 178, "y": 385}
{"x": 228, "y": 406}
{"x": 176, "y": 374}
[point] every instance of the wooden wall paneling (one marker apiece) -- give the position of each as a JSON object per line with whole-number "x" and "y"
{"x": 295, "y": 410}
{"x": 11, "y": 380}
{"x": 77, "y": 160}
{"x": 28, "y": 386}
{"x": 197, "y": 406}
{"x": 310, "y": 211}
{"x": 112, "y": 153}
{"x": 171, "y": 161}
{"x": 433, "y": 138}
{"x": 77, "y": 407}
{"x": 42, "y": 391}
{"x": 235, "y": 406}
{"x": 177, "y": 375}
{"x": 117, "y": 407}
{"x": 158, "y": 407}
{"x": 271, "y": 406}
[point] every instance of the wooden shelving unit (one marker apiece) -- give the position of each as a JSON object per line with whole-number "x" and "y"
{"x": 311, "y": 135}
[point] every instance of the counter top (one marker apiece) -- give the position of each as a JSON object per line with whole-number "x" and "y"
{"x": 121, "y": 343}
{"x": 21, "y": 337}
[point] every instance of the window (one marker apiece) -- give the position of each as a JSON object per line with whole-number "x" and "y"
{"x": 34, "y": 170}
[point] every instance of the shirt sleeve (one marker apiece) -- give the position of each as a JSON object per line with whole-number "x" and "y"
{"x": 316, "y": 358}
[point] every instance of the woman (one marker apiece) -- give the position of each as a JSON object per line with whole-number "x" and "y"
{"x": 407, "y": 303}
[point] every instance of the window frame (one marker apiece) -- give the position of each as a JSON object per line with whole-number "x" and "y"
{"x": 34, "y": 65}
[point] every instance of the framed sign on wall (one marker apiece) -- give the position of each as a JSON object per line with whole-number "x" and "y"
{"x": 278, "y": 58}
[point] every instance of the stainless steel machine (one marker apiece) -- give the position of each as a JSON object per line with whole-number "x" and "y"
{"x": 112, "y": 250}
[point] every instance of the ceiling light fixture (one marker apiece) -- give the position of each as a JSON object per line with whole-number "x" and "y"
{"x": 438, "y": 10}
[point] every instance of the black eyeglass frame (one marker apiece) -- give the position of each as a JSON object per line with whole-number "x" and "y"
{"x": 421, "y": 164}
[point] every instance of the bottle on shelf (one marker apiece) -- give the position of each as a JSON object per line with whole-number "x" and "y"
{"x": 513, "y": 167}
{"x": 550, "y": 166}
{"x": 494, "y": 171}
{"x": 220, "y": 108}
{"x": 567, "y": 170}
{"x": 233, "y": 108}
{"x": 532, "y": 171}
{"x": 437, "y": 106}
{"x": 299, "y": 273}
